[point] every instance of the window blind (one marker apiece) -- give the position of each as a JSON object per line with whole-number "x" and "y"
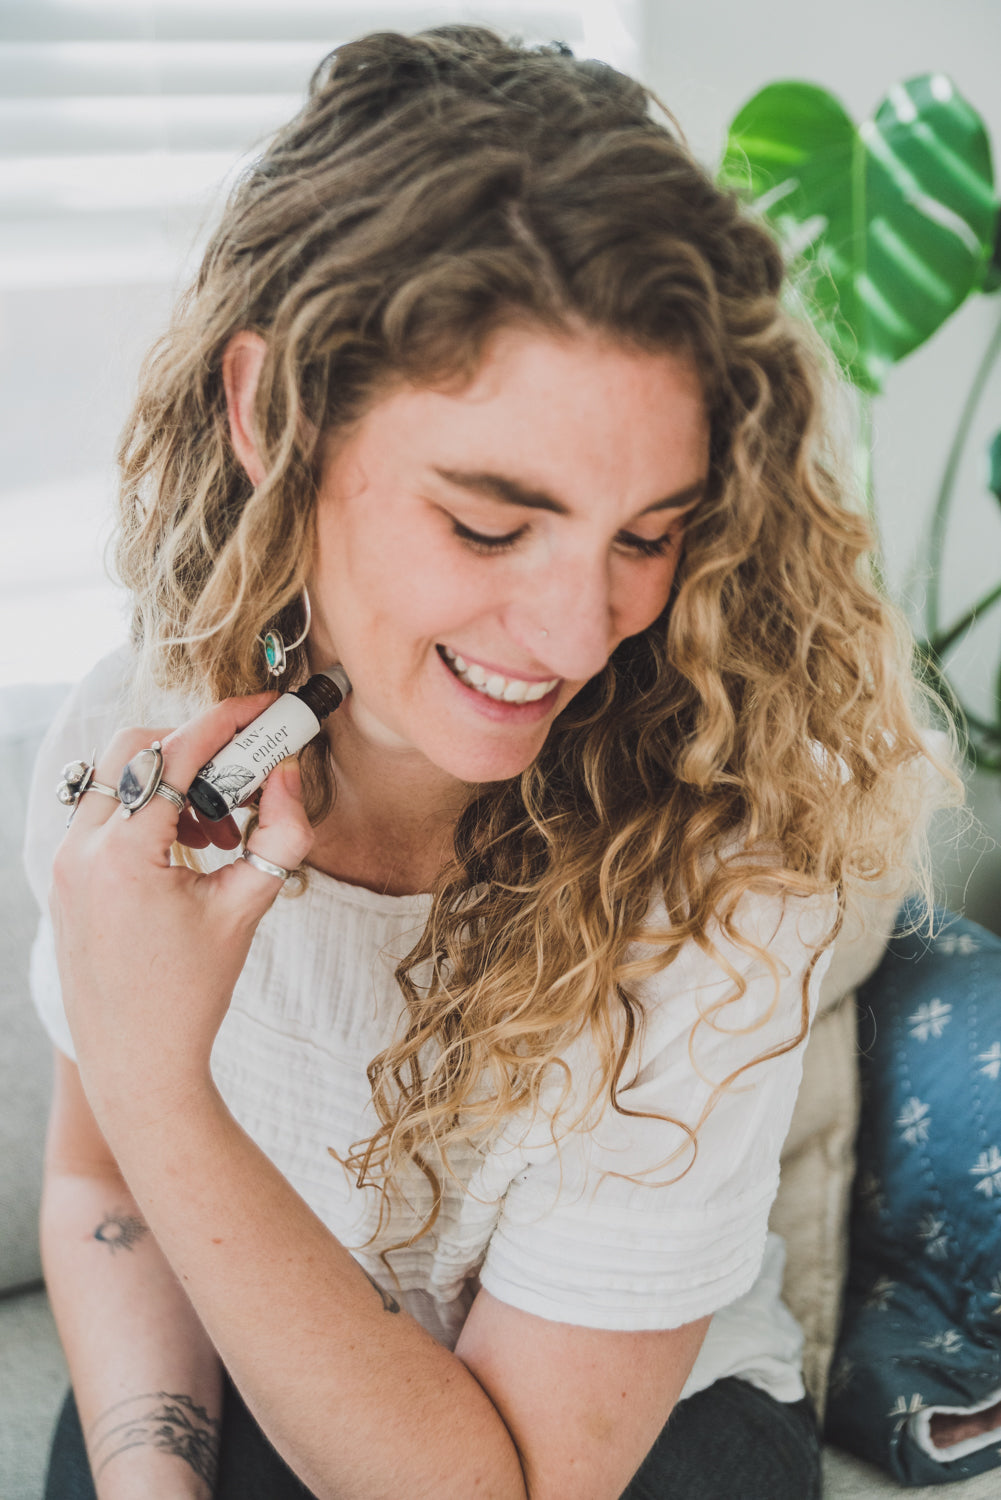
{"x": 122, "y": 122}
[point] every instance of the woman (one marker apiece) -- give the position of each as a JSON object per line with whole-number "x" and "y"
{"x": 481, "y": 365}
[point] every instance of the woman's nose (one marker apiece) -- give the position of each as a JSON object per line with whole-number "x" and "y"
{"x": 566, "y": 619}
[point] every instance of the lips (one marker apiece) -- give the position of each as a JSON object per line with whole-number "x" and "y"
{"x": 492, "y": 684}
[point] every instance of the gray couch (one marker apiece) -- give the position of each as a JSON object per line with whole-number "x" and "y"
{"x": 816, "y": 1169}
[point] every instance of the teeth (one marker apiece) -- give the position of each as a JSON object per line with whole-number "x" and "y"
{"x": 493, "y": 685}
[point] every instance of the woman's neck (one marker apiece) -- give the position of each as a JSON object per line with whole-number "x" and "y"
{"x": 392, "y": 823}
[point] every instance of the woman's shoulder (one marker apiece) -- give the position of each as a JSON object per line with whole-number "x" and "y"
{"x": 767, "y": 914}
{"x": 740, "y": 982}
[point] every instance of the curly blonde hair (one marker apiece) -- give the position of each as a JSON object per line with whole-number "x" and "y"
{"x": 433, "y": 190}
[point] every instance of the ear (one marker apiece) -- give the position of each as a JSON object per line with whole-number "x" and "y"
{"x": 241, "y": 369}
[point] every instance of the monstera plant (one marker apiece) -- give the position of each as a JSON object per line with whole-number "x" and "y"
{"x": 889, "y": 226}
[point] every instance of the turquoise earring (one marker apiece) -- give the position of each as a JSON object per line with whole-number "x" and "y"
{"x": 275, "y": 650}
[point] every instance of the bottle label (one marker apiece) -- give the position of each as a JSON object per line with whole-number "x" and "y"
{"x": 239, "y": 769}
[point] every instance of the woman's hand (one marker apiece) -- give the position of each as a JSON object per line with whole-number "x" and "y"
{"x": 149, "y": 952}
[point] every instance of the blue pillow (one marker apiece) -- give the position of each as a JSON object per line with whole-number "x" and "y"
{"x": 922, "y": 1322}
{"x": 922, "y": 1319}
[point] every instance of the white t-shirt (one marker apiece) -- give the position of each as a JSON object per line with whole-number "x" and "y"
{"x": 587, "y": 1229}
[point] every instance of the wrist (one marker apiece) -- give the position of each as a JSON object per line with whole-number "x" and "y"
{"x": 138, "y": 1120}
{"x": 160, "y": 1446}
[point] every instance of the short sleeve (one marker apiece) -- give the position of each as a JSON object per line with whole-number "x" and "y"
{"x": 606, "y": 1230}
{"x": 87, "y": 720}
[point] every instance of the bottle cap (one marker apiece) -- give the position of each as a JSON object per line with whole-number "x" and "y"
{"x": 325, "y": 691}
{"x": 338, "y": 675}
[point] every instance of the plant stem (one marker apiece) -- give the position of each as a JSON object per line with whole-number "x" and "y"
{"x": 941, "y": 642}
{"x": 863, "y": 468}
{"x": 943, "y": 501}
{"x": 980, "y": 731}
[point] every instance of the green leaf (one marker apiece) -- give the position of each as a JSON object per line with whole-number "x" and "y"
{"x": 994, "y": 466}
{"x": 893, "y": 223}
{"x": 992, "y": 276}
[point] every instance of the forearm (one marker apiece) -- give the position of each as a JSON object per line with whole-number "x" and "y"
{"x": 146, "y": 1378}
{"x": 358, "y": 1398}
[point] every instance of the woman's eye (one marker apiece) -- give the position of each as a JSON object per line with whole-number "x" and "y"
{"x": 485, "y": 544}
{"x": 656, "y": 546}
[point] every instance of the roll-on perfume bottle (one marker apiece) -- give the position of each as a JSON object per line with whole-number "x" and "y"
{"x": 234, "y": 775}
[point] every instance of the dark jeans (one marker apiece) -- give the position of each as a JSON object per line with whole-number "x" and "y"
{"x": 730, "y": 1440}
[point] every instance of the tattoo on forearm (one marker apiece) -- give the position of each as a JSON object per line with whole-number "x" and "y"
{"x": 389, "y": 1303}
{"x": 120, "y": 1231}
{"x": 169, "y": 1423}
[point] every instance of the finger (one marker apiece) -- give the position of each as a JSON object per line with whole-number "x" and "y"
{"x": 93, "y": 809}
{"x": 190, "y": 832}
{"x": 283, "y": 831}
{"x": 184, "y": 751}
{"x": 223, "y": 833}
{"x": 187, "y": 749}
{"x": 283, "y": 836}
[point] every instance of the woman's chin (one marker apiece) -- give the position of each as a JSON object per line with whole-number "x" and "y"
{"x": 473, "y": 753}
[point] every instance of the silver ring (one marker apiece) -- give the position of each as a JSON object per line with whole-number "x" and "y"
{"x": 140, "y": 778}
{"x": 78, "y": 778}
{"x": 171, "y": 793}
{"x": 105, "y": 791}
{"x": 266, "y": 866}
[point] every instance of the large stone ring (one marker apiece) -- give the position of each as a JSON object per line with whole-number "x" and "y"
{"x": 78, "y": 778}
{"x": 142, "y": 779}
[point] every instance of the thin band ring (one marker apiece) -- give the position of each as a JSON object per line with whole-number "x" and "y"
{"x": 171, "y": 793}
{"x": 266, "y": 866}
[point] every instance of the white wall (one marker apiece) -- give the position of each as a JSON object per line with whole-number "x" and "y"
{"x": 705, "y": 60}
{"x": 68, "y": 363}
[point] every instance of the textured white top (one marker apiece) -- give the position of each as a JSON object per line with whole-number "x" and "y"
{"x": 588, "y": 1231}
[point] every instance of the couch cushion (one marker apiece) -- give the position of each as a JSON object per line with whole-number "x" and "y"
{"x": 33, "y": 1382}
{"x": 818, "y": 1158}
{"x": 921, "y": 1330}
{"x": 812, "y": 1206}
{"x": 848, "y": 1478}
{"x": 25, "y": 1054}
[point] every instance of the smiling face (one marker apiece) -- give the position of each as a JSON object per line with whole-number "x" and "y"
{"x": 481, "y": 551}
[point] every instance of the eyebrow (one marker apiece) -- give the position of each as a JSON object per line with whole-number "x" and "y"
{"x": 512, "y": 492}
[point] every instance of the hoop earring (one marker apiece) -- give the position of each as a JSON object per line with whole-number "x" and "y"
{"x": 275, "y": 650}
